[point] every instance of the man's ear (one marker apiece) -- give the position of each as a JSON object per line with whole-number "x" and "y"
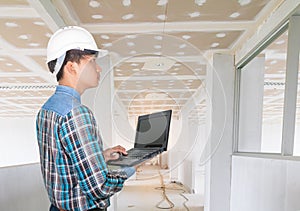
{"x": 71, "y": 67}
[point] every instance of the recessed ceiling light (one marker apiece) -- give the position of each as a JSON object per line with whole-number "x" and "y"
{"x": 9, "y": 64}
{"x": 157, "y": 46}
{"x": 221, "y": 35}
{"x": 34, "y": 44}
{"x": 39, "y": 23}
{"x": 200, "y": 2}
{"x": 194, "y": 14}
{"x": 24, "y": 37}
{"x": 11, "y": 24}
{"x": 94, "y": 4}
{"x": 130, "y": 44}
{"x": 106, "y": 44}
{"x": 48, "y": 35}
{"x": 126, "y": 3}
{"x": 97, "y": 17}
{"x": 158, "y": 37}
{"x": 182, "y": 45}
{"x": 215, "y": 44}
{"x": 244, "y": 2}
{"x": 105, "y": 37}
{"x": 162, "y": 17}
{"x": 235, "y": 15}
{"x": 186, "y": 37}
{"x": 162, "y": 2}
{"x": 131, "y": 36}
{"x": 128, "y": 16}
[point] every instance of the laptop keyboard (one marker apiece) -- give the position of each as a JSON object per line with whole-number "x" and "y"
{"x": 141, "y": 153}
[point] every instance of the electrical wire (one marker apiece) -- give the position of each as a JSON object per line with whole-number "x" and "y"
{"x": 165, "y": 197}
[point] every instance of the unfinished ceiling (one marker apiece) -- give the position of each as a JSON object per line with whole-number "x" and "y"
{"x": 162, "y": 47}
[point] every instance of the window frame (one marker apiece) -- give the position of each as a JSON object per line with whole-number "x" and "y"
{"x": 290, "y": 92}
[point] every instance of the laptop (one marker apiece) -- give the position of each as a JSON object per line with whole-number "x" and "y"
{"x": 151, "y": 139}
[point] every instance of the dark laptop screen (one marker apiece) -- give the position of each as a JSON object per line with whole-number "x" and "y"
{"x": 153, "y": 130}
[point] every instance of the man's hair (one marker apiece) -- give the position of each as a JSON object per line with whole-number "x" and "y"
{"x": 73, "y": 55}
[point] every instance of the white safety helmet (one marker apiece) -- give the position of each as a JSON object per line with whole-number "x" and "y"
{"x": 67, "y": 38}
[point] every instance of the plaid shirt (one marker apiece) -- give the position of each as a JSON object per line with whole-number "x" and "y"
{"x": 73, "y": 167}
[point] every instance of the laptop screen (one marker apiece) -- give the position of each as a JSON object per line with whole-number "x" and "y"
{"x": 153, "y": 130}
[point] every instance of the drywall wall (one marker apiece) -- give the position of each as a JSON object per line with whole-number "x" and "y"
{"x": 22, "y": 189}
{"x": 262, "y": 184}
{"x": 18, "y": 141}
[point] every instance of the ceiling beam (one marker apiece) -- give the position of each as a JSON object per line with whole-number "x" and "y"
{"x": 48, "y": 13}
{"x": 160, "y": 78}
{"x": 203, "y": 26}
{"x": 18, "y": 12}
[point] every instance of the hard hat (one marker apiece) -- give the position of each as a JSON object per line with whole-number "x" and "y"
{"x": 67, "y": 38}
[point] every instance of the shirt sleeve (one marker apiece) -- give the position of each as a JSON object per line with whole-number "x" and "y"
{"x": 81, "y": 140}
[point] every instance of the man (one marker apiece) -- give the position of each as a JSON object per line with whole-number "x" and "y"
{"x": 73, "y": 162}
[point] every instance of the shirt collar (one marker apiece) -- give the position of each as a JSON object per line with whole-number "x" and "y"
{"x": 69, "y": 91}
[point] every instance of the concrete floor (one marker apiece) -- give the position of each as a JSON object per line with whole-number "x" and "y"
{"x": 145, "y": 192}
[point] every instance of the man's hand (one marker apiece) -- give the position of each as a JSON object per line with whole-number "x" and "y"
{"x": 112, "y": 153}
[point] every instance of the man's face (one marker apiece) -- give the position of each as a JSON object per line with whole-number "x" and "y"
{"x": 89, "y": 72}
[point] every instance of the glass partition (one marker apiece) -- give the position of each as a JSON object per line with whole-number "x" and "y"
{"x": 262, "y": 84}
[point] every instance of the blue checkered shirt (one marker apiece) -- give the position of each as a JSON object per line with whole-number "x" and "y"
{"x": 73, "y": 167}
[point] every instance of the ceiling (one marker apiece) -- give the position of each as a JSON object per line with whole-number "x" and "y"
{"x": 160, "y": 49}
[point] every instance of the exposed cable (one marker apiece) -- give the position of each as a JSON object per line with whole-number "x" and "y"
{"x": 165, "y": 197}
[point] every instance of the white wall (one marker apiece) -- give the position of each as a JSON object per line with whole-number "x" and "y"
{"x": 21, "y": 181}
{"x": 220, "y": 83}
{"x": 263, "y": 184}
{"x": 18, "y": 141}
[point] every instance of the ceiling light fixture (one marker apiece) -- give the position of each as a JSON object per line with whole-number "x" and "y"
{"x": 126, "y": 3}
{"x": 200, "y": 2}
{"x": 128, "y": 16}
{"x": 162, "y": 17}
{"x": 105, "y": 37}
{"x": 158, "y": 37}
{"x": 235, "y": 15}
{"x": 131, "y": 36}
{"x": 194, "y": 14}
{"x": 244, "y": 2}
{"x": 186, "y": 37}
{"x": 39, "y": 23}
{"x": 97, "y": 17}
{"x": 11, "y": 24}
{"x": 130, "y": 44}
{"x": 162, "y": 2}
{"x": 215, "y": 44}
{"x": 221, "y": 35}
{"x": 94, "y": 4}
{"x": 182, "y": 45}
{"x": 24, "y": 37}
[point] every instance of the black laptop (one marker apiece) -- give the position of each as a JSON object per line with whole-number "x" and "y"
{"x": 151, "y": 139}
